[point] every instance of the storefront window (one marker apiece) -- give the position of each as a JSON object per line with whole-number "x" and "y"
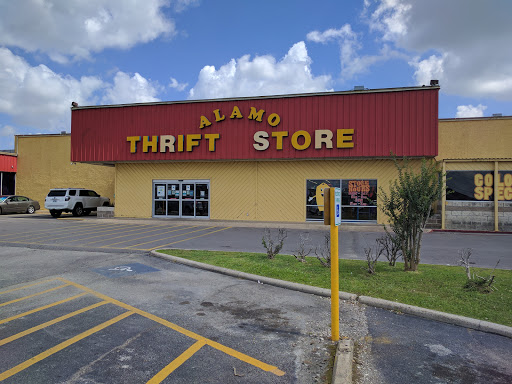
{"x": 358, "y": 199}
{"x": 315, "y": 197}
{"x": 478, "y": 185}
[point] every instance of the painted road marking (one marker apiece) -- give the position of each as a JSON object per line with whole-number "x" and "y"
{"x": 51, "y": 322}
{"x": 77, "y": 230}
{"x": 61, "y": 346}
{"x": 170, "y": 237}
{"x": 190, "y": 238}
{"x": 144, "y": 237}
{"x": 176, "y": 363}
{"x": 129, "y": 231}
{"x": 42, "y": 308}
{"x": 163, "y": 373}
{"x": 26, "y": 286}
{"x": 125, "y": 270}
{"x": 33, "y": 295}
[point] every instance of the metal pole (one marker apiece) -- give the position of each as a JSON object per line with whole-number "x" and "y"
{"x": 335, "y": 284}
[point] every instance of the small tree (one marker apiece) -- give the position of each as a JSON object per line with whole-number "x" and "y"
{"x": 303, "y": 249}
{"x": 323, "y": 252}
{"x": 408, "y": 205}
{"x": 273, "y": 244}
{"x": 390, "y": 247}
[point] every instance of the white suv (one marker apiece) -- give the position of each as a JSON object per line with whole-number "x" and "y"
{"x": 79, "y": 201}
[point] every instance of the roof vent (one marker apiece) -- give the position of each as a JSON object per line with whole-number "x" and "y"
{"x": 434, "y": 83}
{"x": 497, "y": 115}
{"x": 359, "y": 88}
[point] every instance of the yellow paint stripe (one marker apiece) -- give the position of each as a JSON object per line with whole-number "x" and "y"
{"x": 245, "y": 358}
{"x": 186, "y": 332}
{"x": 40, "y": 232}
{"x": 60, "y": 347}
{"x": 90, "y": 230}
{"x": 103, "y": 234}
{"x": 176, "y": 363}
{"x": 171, "y": 237}
{"x": 143, "y": 237}
{"x": 27, "y": 286}
{"x": 42, "y": 308}
{"x": 34, "y": 295}
{"x": 190, "y": 238}
{"x": 51, "y": 322}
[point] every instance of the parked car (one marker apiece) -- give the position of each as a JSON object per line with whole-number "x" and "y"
{"x": 17, "y": 204}
{"x": 78, "y": 201}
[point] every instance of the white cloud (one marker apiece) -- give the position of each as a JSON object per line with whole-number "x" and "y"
{"x": 40, "y": 98}
{"x": 181, "y": 5}
{"x": 176, "y": 85}
{"x": 126, "y": 89}
{"x": 261, "y": 76}
{"x": 352, "y": 63}
{"x": 64, "y": 29}
{"x": 470, "y": 111}
{"x": 428, "y": 69}
{"x": 37, "y": 96}
{"x": 466, "y": 43}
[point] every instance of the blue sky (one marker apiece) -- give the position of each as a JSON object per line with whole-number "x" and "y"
{"x": 54, "y": 52}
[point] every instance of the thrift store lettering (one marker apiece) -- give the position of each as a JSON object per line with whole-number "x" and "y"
{"x": 299, "y": 140}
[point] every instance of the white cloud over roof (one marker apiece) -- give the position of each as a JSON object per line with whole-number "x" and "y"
{"x": 263, "y": 75}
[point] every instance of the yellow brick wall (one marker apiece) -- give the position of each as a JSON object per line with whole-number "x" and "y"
{"x": 44, "y": 162}
{"x": 245, "y": 190}
{"x": 475, "y": 138}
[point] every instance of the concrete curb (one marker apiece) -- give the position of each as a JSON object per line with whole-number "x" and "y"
{"x": 342, "y": 370}
{"x": 260, "y": 279}
{"x": 467, "y": 322}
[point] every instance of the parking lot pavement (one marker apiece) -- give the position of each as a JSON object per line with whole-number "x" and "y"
{"x": 77, "y": 316}
{"x": 141, "y": 235}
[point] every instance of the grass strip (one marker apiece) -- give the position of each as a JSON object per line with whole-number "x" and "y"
{"x": 435, "y": 287}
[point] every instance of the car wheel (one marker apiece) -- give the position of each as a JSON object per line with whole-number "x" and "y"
{"x": 55, "y": 213}
{"x": 78, "y": 210}
{"x": 87, "y": 212}
{"x": 31, "y": 209}
{"x": 105, "y": 204}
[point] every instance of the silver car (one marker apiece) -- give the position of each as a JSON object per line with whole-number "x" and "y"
{"x": 17, "y": 204}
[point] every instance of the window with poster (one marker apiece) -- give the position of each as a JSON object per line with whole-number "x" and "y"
{"x": 358, "y": 198}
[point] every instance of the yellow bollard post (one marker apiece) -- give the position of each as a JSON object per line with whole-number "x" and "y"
{"x": 335, "y": 283}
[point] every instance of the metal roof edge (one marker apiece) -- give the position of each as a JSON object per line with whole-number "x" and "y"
{"x": 9, "y": 153}
{"x": 475, "y": 118}
{"x": 283, "y": 96}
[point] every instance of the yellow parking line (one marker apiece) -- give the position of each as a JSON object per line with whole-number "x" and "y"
{"x": 176, "y": 363}
{"x": 132, "y": 230}
{"x": 239, "y": 355}
{"x": 61, "y": 346}
{"x": 51, "y": 322}
{"x": 27, "y": 286}
{"x": 190, "y": 238}
{"x": 143, "y": 237}
{"x": 170, "y": 237}
{"x": 34, "y": 295}
{"x": 31, "y": 234}
{"x": 42, "y": 308}
{"x": 96, "y": 229}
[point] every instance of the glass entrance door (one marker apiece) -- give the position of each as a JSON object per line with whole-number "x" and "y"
{"x": 181, "y": 198}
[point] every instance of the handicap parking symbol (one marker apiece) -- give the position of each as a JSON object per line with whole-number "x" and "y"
{"x": 124, "y": 270}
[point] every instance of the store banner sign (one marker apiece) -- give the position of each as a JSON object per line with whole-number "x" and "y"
{"x": 478, "y": 185}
